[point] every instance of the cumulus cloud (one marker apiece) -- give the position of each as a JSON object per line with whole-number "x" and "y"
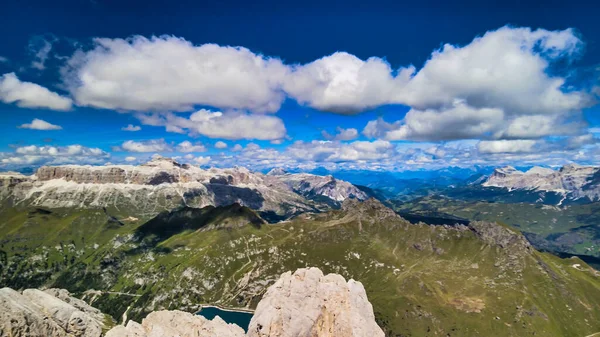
{"x": 220, "y": 145}
{"x": 506, "y": 68}
{"x": 52, "y": 155}
{"x": 171, "y": 73}
{"x": 153, "y": 145}
{"x": 187, "y": 146}
{"x": 459, "y": 122}
{"x": 345, "y": 84}
{"x": 507, "y": 146}
{"x": 342, "y": 134}
{"x": 201, "y": 160}
{"x": 130, "y": 159}
{"x": 38, "y": 124}
{"x": 496, "y": 87}
{"x": 231, "y": 125}
{"x": 131, "y": 128}
{"x": 30, "y": 95}
{"x": 330, "y": 151}
{"x": 71, "y": 150}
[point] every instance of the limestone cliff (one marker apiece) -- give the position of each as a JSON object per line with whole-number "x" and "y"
{"x": 52, "y": 313}
{"x": 310, "y": 304}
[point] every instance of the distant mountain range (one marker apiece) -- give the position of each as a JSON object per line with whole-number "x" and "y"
{"x": 163, "y": 184}
{"x": 572, "y": 182}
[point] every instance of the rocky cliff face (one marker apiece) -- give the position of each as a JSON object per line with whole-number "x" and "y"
{"x": 573, "y": 181}
{"x": 310, "y": 304}
{"x": 47, "y": 313}
{"x": 164, "y": 184}
{"x": 303, "y": 304}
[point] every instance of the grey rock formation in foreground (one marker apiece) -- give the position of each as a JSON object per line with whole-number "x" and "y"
{"x": 52, "y": 313}
{"x": 310, "y": 304}
{"x": 303, "y": 304}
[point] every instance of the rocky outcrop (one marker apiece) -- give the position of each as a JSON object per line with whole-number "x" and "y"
{"x": 495, "y": 234}
{"x": 572, "y": 180}
{"x": 177, "y": 323}
{"x": 310, "y": 304}
{"x": 163, "y": 184}
{"x": 303, "y": 304}
{"x": 37, "y": 313}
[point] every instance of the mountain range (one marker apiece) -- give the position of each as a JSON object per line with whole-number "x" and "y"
{"x": 164, "y": 184}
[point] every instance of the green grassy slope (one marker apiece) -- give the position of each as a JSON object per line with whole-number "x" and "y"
{"x": 574, "y": 228}
{"x": 422, "y": 280}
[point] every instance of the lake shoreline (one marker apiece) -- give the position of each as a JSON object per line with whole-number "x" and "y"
{"x": 244, "y": 310}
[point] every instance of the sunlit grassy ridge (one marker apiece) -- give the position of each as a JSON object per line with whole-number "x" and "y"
{"x": 422, "y": 280}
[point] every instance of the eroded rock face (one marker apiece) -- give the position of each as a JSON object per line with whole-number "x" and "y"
{"x": 39, "y": 313}
{"x": 177, "y": 323}
{"x": 310, "y": 304}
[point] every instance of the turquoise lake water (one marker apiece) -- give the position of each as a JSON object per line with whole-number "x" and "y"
{"x": 236, "y": 317}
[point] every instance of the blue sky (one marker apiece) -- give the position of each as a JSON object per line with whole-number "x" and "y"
{"x": 381, "y": 86}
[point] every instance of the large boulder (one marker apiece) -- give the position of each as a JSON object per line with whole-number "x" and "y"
{"x": 310, "y": 304}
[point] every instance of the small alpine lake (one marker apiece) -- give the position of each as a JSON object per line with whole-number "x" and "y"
{"x": 241, "y": 318}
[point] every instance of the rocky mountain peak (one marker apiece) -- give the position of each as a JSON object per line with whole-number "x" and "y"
{"x": 278, "y": 171}
{"x": 543, "y": 171}
{"x": 163, "y": 163}
{"x": 370, "y": 208}
{"x": 505, "y": 171}
{"x": 495, "y": 234}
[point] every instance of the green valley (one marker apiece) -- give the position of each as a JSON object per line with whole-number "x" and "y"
{"x": 477, "y": 280}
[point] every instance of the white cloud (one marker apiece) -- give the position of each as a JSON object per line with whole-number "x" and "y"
{"x": 131, "y": 128}
{"x": 220, "y": 145}
{"x": 231, "y": 125}
{"x": 458, "y": 122}
{"x": 169, "y": 73}
{"x": 71, "y": 150}
{"x": 236, "y": 148}
{"x": 342, "y": 134}
{"x": 495, "y": 87}
{"x": 153, "y": 145}
{"x": 38, "y": 124}
{"x": 187, "y": 146}
{"x": 505, "y": 68}
{"x": 30, "y": 95}
{"x": 330, "y": 151}
{"x": 3, "y": 59}
{"x": 41, "y": 54}
{"x": 344, "y": 83}
{"x": 507, "y": 146}
{"x": 202, "y": 160}
{"x": 130, "y": 159}
{"x": 52, "y": 155}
